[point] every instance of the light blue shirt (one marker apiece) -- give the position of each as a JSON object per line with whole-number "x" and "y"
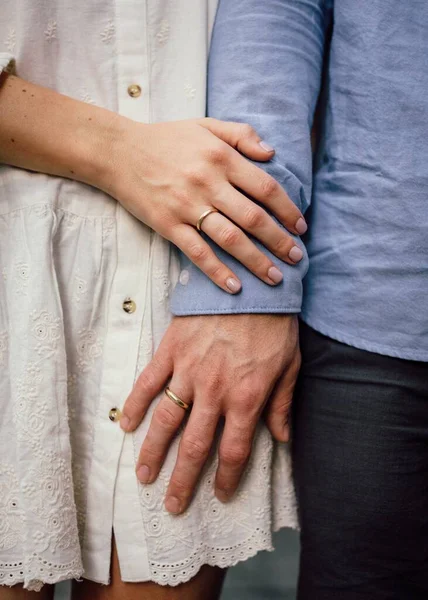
{"x": 367, "y": 283}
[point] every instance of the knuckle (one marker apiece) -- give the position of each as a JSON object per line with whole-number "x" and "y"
{"x": 217, "y": 154}
{"x": 230, "y": 236}
{"x": 283, "y": 245}
{"x": 133, "y": 406}
{"x": 145, "y": 381}
{"x": 149, "y": 454}
{"x": 197, "y": 176}
{"x": 247, "y": 403}
{"x": 254, "y": 218}
{"x": 250, "y": 397}
{"x": 246, "y": 130}
{"x": 179, "y": 488}
{"x": 268, "y": 185}
{"x": 212, "y": 384}
{"x": 235, "y": 455}
{"x": 228, "y": 487}
{"x": 260, "y": 263}
{"x": 165, "y": 419}
{"x": 197, "y": 253}
{"x": 181, "y": 197}
{"x": 194, "y": 449}
{"x": 279, "y": 406}
{"x": 216, "y": 272}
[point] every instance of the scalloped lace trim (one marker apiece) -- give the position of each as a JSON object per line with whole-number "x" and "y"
{"x": 38, "y": 573}
{"x": 175, "y": 573}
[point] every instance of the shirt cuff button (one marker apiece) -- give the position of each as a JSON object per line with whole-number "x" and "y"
{"x": 184, "y": 277}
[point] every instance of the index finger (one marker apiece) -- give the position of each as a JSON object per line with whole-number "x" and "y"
{"x": 148, "y": 385}
{"x": 193, "y": 452}
{"x": 265, "y": 189}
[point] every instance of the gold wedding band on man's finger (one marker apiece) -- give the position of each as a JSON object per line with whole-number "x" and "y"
{"x": 178, "y": 401}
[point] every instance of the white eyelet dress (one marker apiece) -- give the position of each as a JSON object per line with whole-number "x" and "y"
{"x": 84, "y": 291}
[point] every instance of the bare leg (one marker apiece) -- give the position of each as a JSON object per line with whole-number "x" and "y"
{"x": 17, "y": 592}
{"x": 206, "y": 585}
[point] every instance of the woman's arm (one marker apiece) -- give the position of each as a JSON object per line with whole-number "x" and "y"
{"x": 47, "y": 132}
{"x": 165, "y": 174}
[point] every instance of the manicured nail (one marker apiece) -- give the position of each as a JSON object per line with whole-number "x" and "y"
{"x": 222, "y": 495}
{"x": 172, "y": 505}
{"x": 295, "y": 254}
{"x": 266, "y": 147}
{"x": 143, "y": 474}
{"x": 233, "y": 284}
{"x": 125, "y": 422}
{"x": 301, "y": 226}
{"x": 275, "y": 275}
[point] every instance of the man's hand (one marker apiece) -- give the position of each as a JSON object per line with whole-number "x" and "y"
{"x": 226, "y": 366}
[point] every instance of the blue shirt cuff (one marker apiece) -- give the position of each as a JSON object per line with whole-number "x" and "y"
{"x": 195, "y": 294}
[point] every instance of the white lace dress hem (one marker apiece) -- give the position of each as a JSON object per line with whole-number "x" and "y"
{"x": 172, "y": 574}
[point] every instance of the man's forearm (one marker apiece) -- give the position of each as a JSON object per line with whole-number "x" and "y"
{"x": 265, "y": 68}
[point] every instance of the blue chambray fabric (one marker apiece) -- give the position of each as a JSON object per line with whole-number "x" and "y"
{"x": 367, "y": 243}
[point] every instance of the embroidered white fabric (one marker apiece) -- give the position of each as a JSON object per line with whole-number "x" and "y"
{"x": 69, "y": 257}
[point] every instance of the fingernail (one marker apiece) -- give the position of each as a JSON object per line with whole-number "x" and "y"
{"x": 275, "y": 275}
{"x": 172, "y": 505}
{"x": 233, "y": 284}
{"x": 301, "y": 226}
{"x": 295, "y": 254}
{"x": 143, "y": 474}
{"x": 125, "y": 422}
{"x": 266, "y": 147}
{"x": 222, "y": 495}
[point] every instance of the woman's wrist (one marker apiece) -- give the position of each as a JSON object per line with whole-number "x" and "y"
{"x": 119, "y": 143}
{"x": 99, "y": 149}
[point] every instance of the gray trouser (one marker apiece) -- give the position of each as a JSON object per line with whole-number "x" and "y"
{"x": 360, "y": 445}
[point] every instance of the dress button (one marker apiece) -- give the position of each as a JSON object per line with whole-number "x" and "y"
{"x": 129, "y": 306}
{"x": 134, "y": 90}
{"x": 114, "y": 414}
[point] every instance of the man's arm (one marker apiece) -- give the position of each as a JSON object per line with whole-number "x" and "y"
{"x": 265, "y": 69}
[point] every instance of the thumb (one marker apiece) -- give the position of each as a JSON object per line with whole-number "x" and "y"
{"x": 240, "y": 136}
{"x": 148, "y": 385}
{"x": 279, "y": 405}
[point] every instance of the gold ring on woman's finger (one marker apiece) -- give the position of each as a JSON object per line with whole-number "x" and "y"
{"x": 203, "y": 216}
{"x": 178, "y": 401}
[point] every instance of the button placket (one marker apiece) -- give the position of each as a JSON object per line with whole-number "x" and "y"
{"x": 122, "y": 341}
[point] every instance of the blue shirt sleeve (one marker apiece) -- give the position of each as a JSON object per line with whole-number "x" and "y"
{"x": 265, "y": 69}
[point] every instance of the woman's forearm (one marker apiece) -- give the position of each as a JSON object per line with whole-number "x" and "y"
{"x": 165, "y": 174}
{"x": 41, "y": 130}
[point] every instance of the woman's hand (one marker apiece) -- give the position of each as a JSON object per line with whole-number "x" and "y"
{"x": 166, "y": 174}
{"x": 169, "y": 174}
